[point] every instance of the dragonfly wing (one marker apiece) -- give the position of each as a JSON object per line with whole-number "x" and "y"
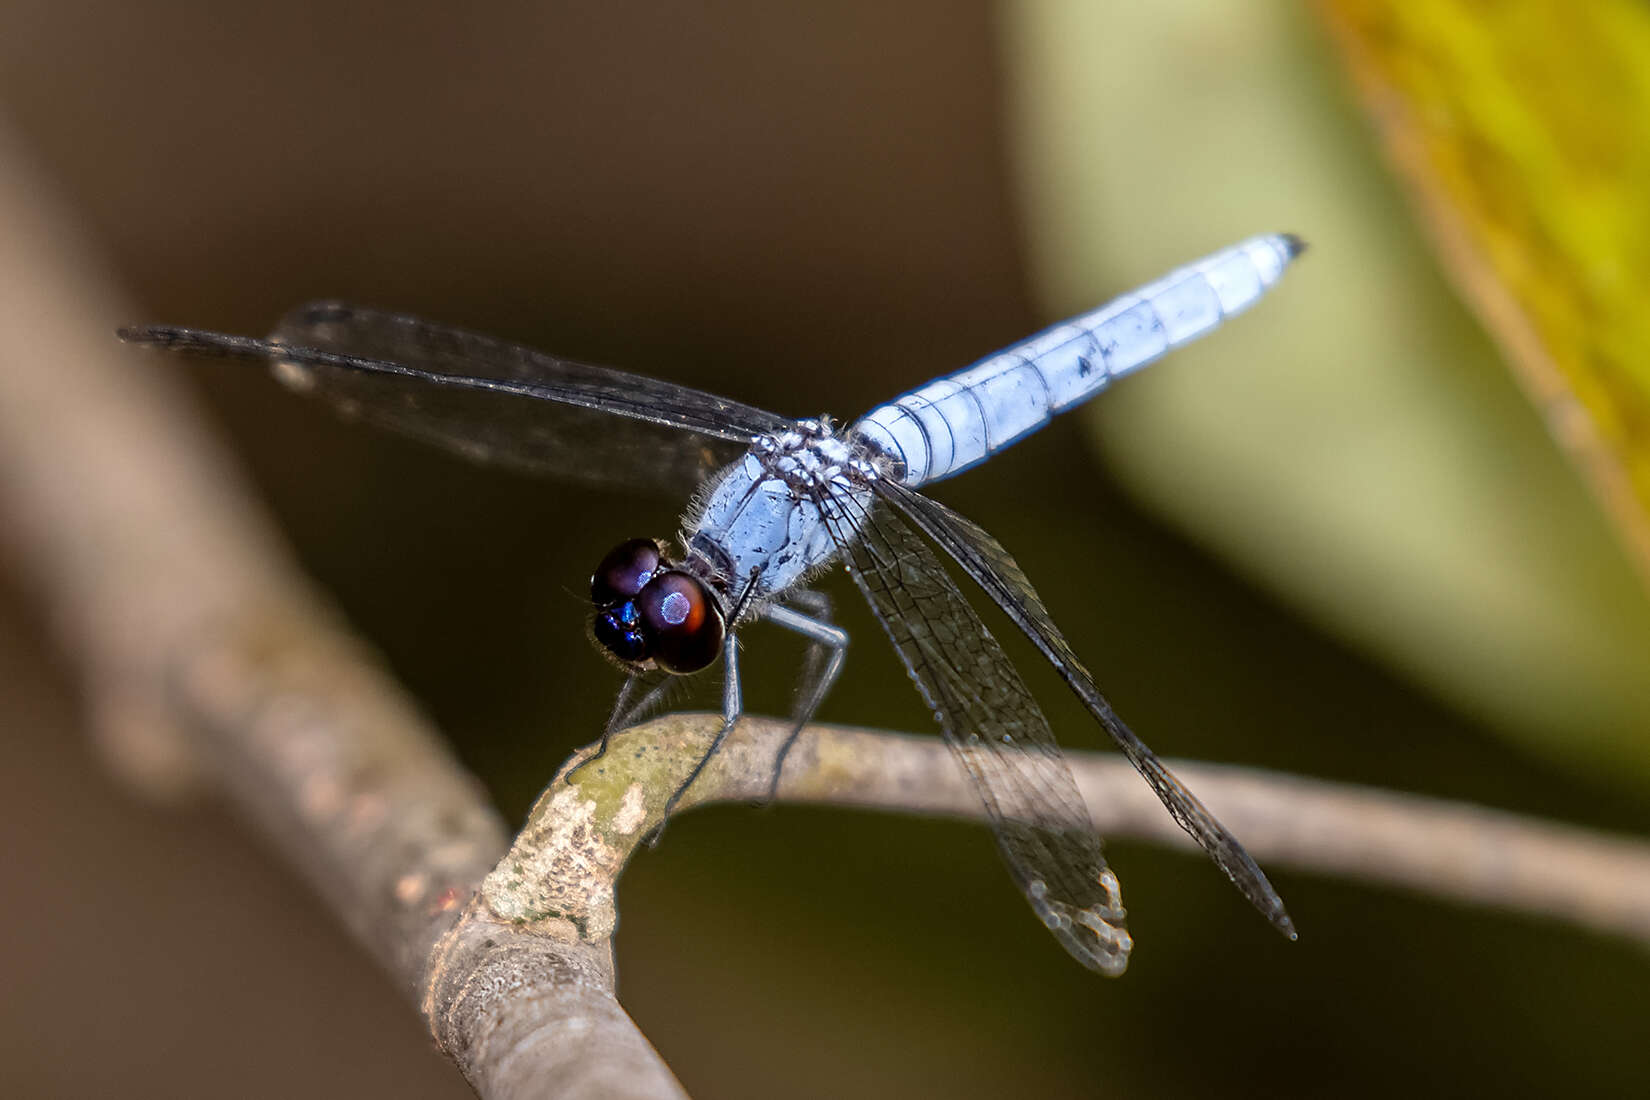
{"x": 984, "y": 558}
{"x": 493, "y": 401}
{"x": 997, "y": 731}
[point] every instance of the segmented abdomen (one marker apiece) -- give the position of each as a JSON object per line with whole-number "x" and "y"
{"x": 961, "y": 419}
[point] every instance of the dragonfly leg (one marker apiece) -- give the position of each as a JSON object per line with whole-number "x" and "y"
{"x": 827, "y": 649}
{"x": 628, "y": 710}
{"x": 811, "y": 601}
{"x": 732, "y": 707}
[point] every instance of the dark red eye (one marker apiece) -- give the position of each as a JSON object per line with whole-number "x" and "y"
{"x": 681, "y": 621}
{"x": 624, "y": 571}
{"x": 646, "y": 610}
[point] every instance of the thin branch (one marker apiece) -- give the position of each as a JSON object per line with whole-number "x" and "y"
{"x": 1436, "y": 847}
{"x": 207, "y": 659}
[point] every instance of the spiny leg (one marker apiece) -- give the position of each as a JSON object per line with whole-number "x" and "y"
{"x": 732, "y": 707}
{"x": 824, "y": 640}
{"x": 732, "y": 703}
{"x": 816, "y": 605}
{"x": 658, "y": 684}
{"x": 628, "y": 709}
{"x": 811, "y": 601}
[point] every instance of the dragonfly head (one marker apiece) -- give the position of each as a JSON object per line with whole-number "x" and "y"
{"x": 652, "y": 612}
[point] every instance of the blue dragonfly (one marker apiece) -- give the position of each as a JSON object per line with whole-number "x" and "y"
{"x": 778, "y": 500}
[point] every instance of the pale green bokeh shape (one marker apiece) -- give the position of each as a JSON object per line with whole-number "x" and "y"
{"x": 1356, "y": 445}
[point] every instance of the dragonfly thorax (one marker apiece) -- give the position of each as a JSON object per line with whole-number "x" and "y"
{"x": 812, "y": 458}
{"x": 781, "y": 511}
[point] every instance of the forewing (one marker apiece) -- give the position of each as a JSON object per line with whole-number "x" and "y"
{"x": 493, "y": 401}
{"x": 997, "y": 731}
{"x": 983, "y": 558}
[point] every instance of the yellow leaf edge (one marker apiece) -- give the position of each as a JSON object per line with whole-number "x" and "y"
{"x": 1468, "y": 267}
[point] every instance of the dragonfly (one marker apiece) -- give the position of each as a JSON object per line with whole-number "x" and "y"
{"x": 779, "y": 500}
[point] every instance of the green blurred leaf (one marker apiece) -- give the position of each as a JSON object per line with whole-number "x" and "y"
{"x": 1523, "y": 131}
{"x": 1356, "y": 444}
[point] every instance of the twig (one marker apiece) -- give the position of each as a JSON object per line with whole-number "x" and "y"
{"x": 1437, "y": 847}
{"x": 206, "y": 658}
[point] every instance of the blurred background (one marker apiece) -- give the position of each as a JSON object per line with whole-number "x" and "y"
{"x": 1334, "y": 539}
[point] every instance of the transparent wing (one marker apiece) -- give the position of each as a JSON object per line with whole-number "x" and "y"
{"x": 984, "y": 559}
{"x": 493, "y": 401}
{"x": 997, "y": 731}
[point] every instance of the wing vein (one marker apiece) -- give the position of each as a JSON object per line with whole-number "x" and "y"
{"x": 984, "y": 559}
{"x": 991, "y": 722}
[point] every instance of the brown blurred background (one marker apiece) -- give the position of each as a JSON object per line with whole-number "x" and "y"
{"x": 810, "y": 208}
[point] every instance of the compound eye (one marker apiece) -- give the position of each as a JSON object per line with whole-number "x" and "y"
{"x": 682, "y": 622}
{"x": 624, "y": 571}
